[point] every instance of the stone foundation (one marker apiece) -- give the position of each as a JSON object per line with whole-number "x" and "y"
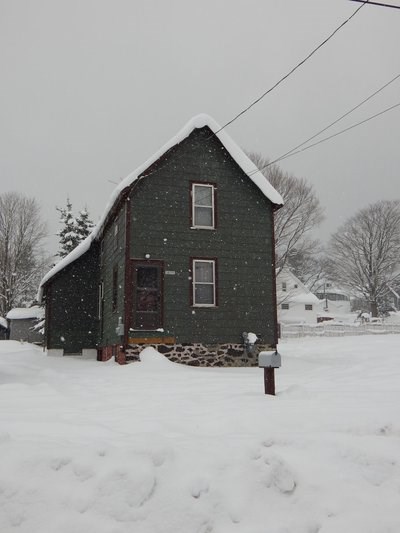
{"x": 202, "y": 354}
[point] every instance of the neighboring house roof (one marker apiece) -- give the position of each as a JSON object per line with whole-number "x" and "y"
{"x": 200, "y": 121}
{"x": 3, "y": 322}
{"x": 297, "y": 292}
{"x": 330, "y": 288}
{"x": 20, "y": 313}
{"x": 307, "y": 298}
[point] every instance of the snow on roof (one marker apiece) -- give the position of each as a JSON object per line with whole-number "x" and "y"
{"x": 285, "y": 275}
{"x": 3, "y": 322}
{"x": 65, "y": 261}
{"x": 200, "y": 121}
{"x": 330, "y": 288}
{"x": 307, "y": 298}
{"x": 197, "y": 122}
{"x": 19, "y": 313}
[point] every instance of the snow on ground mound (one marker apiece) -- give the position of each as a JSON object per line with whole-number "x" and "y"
{"x": 87, "y": 447}
{"x": 7, "y": 347}
{"x": 150, "y": 358}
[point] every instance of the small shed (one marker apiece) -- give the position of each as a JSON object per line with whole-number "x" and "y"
{"x": 22, "y": 322}
{"x": 3, "y": 329}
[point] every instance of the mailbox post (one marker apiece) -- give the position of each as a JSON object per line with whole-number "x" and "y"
{"x": 269, "y": 361}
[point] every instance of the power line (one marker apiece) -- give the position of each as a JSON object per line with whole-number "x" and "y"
{"x": 293, "y": 69}
{"x": 332, "y": 136}
{"x": 376, "y": 4}
{"x": 286, "y": 154}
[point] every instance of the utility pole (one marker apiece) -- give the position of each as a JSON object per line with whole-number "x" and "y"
{"x": 376, "y": 3}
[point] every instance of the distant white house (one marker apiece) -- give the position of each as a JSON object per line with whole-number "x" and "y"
{"x": 334, "y": 300}
{"x": 21, "y": 322}
{"x": 296, "y": 304}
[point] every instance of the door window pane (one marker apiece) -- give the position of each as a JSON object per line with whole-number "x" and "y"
{"x": 147, "y": 277}
{"x": 147, "y": 300}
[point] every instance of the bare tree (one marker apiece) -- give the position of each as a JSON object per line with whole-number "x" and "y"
{"x": 21, "y": 258}
{"x": 309, "y": 264}
{"x": 365, "y": 252}
{"x": 300, "y": 214}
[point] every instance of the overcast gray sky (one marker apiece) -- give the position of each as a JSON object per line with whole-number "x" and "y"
{"x": 91, "y": 88}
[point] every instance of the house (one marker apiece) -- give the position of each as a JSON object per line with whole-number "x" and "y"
{"x": 22, "y": 321}
{"x": 182, "y": 260}
{"x": 296, "y": 304}
{"x": 3, "y": 329}
{"x": 334, "y": 300}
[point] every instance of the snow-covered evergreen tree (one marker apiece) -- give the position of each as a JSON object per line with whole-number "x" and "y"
{"x": 74, "y": 230}
{"x": 69, "y": 237}
{"x": 84, "y": 225}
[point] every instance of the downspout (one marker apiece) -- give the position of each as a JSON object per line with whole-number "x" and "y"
{"x": 47, "y": 310}
{"x": 128, "y": 300}
{"x": 128, "y": 288}
{"x": 273, "y": 261}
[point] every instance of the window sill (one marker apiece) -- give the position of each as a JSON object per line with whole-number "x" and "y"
{"x": 202, "y": 227}
{"x": 206, "y": 306}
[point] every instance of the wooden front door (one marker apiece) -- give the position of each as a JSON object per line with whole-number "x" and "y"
{"x": 147, "y": 295}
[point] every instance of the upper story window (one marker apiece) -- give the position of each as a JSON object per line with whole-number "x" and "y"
{"x": 204, "y": 286}
{"x": 285, "y": 306}
{"x": 284, "y": 286}
{"x": 203, "y": 206}
{"x": 308, "y": 307}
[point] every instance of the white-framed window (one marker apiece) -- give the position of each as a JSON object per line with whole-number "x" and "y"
{"x": 308, "y": 307}
{"x": 203, "y": 206}
{"x": 285, "y": 306}
{"x": 284, "y": 286}
{"x": 203, "y": 281}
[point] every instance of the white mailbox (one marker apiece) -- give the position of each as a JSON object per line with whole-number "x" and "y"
{"x": 270, "y": 359}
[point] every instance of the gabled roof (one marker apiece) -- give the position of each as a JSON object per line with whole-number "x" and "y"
{"x": 21, "y": 313}
{"x": 299, "y": 295}
{"x": 200, "y": 121}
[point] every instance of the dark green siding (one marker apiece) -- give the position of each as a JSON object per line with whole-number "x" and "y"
{"x": 71, "y": 305}
{"x": 241, "y": 243}
{"x": 113, "y": 256}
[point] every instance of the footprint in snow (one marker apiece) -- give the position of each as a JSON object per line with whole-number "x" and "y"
{"x": 199, "y": 487}
{"x": 279, "y": 475}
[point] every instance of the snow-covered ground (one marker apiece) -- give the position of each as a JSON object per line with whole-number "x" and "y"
{"x": 155, "y": 447}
